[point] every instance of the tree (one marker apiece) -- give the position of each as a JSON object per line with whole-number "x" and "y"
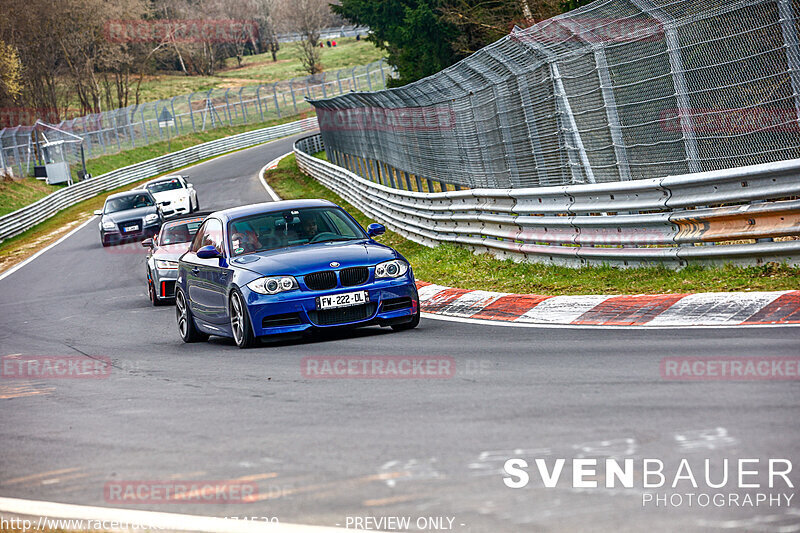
{"x": 308, "y": 18}
{"x": 10, "y": 73}
{"x": 423, "y": 37}
{"x": 267, "y": 34}
{"x": 412, "y": 32}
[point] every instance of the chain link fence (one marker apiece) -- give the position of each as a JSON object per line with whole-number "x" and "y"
{"x": 617, "y": 90}
{"x": 121, "y": 129}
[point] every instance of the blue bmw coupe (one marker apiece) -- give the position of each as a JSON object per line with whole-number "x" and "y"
{"x": 289, "y": 267}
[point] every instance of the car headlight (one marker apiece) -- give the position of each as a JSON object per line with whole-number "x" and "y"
{"x": 161, "y": 264}
{"x": 109, "y": 225}
{"x": 152, "y": 217}
{"x": 391, "y": 269}
{"x": 273, "y": 285}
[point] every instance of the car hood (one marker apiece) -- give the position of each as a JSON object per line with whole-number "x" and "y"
{"x": 304, "y": 259}
{"x": 130, "y": 214}
{"x": 170, "y": 196}
{"x": 172, "y": 252}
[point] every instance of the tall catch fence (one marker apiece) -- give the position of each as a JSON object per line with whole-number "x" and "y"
{"x": 617, "y": 90}
{"x": 121, "y": 129}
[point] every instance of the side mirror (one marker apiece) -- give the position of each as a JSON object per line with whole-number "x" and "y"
{"x": 208, "y": 252}
{"x": 98, "y": 212}
{"x": 374, "y": 229}
{"x": 147, "y": 243}
{"x": 189, "y": 186}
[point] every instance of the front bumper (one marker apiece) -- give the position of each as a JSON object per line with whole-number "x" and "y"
{"x": 176, "y": 208}
{"x": 115, "y": 236}
{"x": 390, "y": 302}
{"x": 164, "y": 283}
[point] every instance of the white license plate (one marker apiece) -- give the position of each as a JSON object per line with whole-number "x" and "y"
{"x": 130, "y": 228}
{"x": 342, "y": 300}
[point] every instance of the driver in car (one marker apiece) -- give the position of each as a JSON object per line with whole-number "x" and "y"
{"x": 308, "y": 227}
{"x": 243, "y": 242}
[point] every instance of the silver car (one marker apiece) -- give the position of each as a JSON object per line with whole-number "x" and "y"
{"x": 164, "y": 250}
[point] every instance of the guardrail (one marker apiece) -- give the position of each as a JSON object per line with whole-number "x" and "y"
{"x": 669, "y": 221}
{"x": 27, "y": 217}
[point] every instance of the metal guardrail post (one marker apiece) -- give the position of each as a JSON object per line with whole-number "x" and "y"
{"x": 339, "y": 80}
{"x": 678, "y": 78}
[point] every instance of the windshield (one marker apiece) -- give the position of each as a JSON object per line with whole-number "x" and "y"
{"x": 168, "y": 185}
{"x": 180, "y": 231}
{"x": 296, "y": 227}
{"x": 124, "y": 203}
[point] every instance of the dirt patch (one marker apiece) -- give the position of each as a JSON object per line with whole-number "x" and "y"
{"x": 26, "y": 249}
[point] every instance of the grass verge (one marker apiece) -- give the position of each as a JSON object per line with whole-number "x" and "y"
{"x": 458, "y": 267}
{"x": 25, "y": 244}
{"x": 15, "y": 194}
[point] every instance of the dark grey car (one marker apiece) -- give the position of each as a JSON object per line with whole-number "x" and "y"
{"x": 130, "y": 215}
{"x": 164, "y": 250}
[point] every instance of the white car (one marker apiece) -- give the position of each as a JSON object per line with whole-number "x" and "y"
{"x": 174, "y": 195}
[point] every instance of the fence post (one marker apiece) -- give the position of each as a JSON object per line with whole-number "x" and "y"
{"x": 294, "y": 100}
{"x": 355, "y": 83}
{"x": 258, "y": 101}
{"x": 566, "y": 109}
{"x": 369, "y": 81}
{"x": 116, "y": 129}
{"x": 790, "y": 41}
{"x": 609, "y": 101}
{"x": 228, "y": 107}
{"x": 678, "y": 79}
{"x": 275, "y": 97}
{"x": 339, "y": 80}
{"x": 383, "y": 74}
{"x": 175, "y": 117}
{"x": 241, "y": 104}
{"x": 191, "y": 112}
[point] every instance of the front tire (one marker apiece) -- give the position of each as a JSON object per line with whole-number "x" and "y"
{"x": 240, "y": 321}
{"x": 186, "y": 327}
{"x": 151, "y": 293}
{"x": 408, "y": 325}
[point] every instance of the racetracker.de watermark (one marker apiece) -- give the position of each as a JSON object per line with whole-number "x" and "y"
{"x": 411, "y": 119}
{"x": 730, "y": 368}
{"x": 378, "y": 367}
{"x": 589, "y": 30}
{"x": 176, "y": 491}
{"x": 731, "y": 121}
{"x": 181, "y": 31}
{"x": 54, "y": 367}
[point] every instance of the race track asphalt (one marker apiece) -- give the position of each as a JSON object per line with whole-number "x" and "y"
{"x": 322, "y": 450}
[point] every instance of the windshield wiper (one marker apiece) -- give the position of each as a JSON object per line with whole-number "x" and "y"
{"x": 336, "y": 239}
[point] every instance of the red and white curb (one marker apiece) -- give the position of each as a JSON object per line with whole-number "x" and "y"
{"x": 657, "y": 310}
